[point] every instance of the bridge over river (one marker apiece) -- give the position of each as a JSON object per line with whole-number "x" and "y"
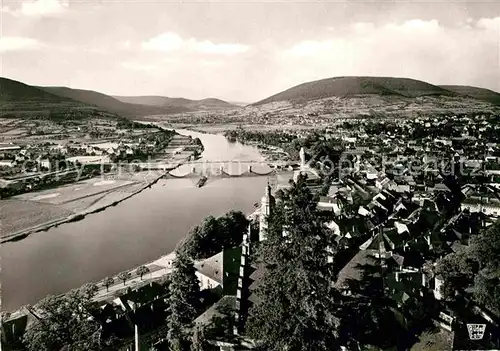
{"x": 271, "y": 164}
{"x": 229, "y": 169}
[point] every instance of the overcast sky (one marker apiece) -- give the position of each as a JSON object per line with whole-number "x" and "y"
{"x": 245, "y": 51}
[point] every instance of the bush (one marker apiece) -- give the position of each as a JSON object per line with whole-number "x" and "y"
{"x": 214, "y": 234}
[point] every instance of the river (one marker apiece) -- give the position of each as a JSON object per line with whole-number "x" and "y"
{"x": 135, "y": 231}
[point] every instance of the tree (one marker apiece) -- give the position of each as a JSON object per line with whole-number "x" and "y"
{"x": 487, "y": 289}
{"x": 183, "y": 301}
{"x": 278, "y": 194}
{"x": 485, "y": 247}
{"x": 124, "y": 276}
{"x": 203, "y": 240}
{"x": 198, "y": 342}
{"x": 457, "y": 271}
{"x": 433, "y": 340}
{"x": 295, "y": 302}
{"x": 64, "y": 321}
{"x": 485, "y": 250}
{"x": 476, "y": 267}
{"x": 107, "y": 282}
{"x": 142, "y": 270}
{"x": 222, "y": 324}
{"x": 214, "y": 234}
{"x": 89, "y": 290}
{"x": 233, "y": 225}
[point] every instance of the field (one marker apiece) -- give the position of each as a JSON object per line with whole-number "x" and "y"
{"x": 32, "y": 211}
{"x": 76, "y": 191}
{"x": 17, "y": 215}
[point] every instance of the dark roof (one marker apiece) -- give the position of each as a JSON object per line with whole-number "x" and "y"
{"x": 396, "y": 240}
{"x": 398, "y": 259}
{"x": 231, "y": 263}
{"x": 353, "y": 270}
{"x": 214, "y": 311}
{"x": 211, "y": 267}
{"x": 256, "y": 278}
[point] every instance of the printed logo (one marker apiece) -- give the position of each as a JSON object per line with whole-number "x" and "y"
{"x": 476, "y": 331}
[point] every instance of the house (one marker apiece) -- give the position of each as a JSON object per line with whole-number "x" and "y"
{"x": 349, "y": 139}
{"x": 44, "y": 163}
{"x": 328, "y": 204}
{"x": 61, "y": 148}
{"x": 382, "y": 182}
{"x": 443, "y": 141}
{"x": 14, "y": 325}
{"x": 209, "y": 271}
{"x": 21, "y": 157}
{"x": 399, "y": 188}
{"x": 335, "y": 188}
{"x": 352, "y": 273}
{"x": 488, "y": 206}
{"x": 8, "y": 163}
{"x": 89, "y": 159}
{"x": 7, "y": 150}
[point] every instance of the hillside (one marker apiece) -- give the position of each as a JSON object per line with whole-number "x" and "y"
{"x": 355, "y": 86}
{"x": 210, "y": 104}
{"x": 475, "y": 92}
{"x": 21, "y": 100}
{"x": 14, "y": 91}
{"x": 110, "y": 104}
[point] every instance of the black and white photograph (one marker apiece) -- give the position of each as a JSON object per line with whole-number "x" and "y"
{"x": 262, "y": 175}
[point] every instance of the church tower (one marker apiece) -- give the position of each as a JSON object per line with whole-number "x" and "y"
{"x": 267, "y": 204}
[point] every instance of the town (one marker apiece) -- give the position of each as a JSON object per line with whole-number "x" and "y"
{"x": 249, "y": 175}
{"x": 405, "y": 217}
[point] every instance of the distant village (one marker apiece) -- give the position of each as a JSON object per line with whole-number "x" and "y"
{"x": 45, "y": 155}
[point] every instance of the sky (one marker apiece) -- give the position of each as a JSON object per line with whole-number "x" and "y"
{"x": 245, "y": 50}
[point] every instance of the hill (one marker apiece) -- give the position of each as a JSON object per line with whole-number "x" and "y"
{"x": 111, "y": 104}
{"x": 210, "y": 104}
{"x": 355, "y": 86}
{"x": 475, "y": 92}
{"x": 21, "y": 100}
{"x": 14, "y": 91}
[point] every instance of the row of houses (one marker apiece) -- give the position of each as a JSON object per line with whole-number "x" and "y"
{"x": 391, "y": 227}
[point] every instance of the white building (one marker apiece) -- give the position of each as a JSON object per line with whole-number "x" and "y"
{"x": 209, "y": 271}
{"x": 267, "y": 204}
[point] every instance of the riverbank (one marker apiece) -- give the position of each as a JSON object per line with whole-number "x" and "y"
{"x": 158, "y": 270}
{"x": 34, "y": 212}
{"x": 141, "y": 229}
{"x": 269, "y": 153}
{"x": 221, "y": 128}
{"x": 102, "y": 205}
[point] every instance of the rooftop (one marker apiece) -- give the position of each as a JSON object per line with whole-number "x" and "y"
{"x": 211, "y": 267}
{"x": 227, "y": 301}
